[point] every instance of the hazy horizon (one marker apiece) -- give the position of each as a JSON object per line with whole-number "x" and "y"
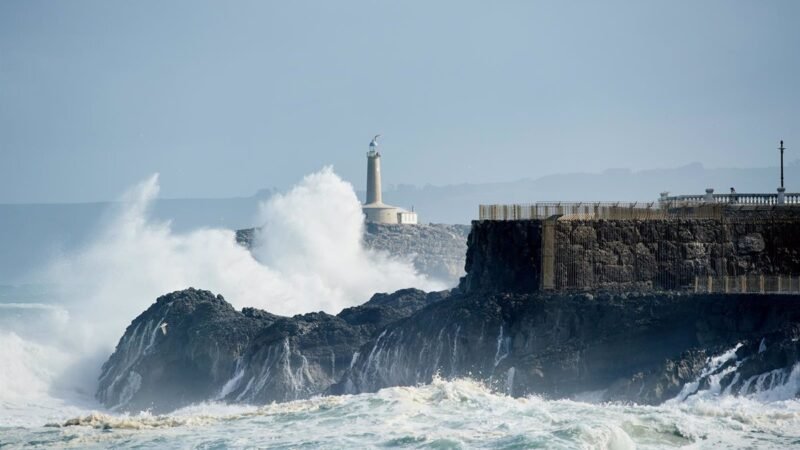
{"x": 391, "y": 186}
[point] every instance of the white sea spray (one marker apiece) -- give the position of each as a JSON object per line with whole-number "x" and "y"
{"x": 308, "y": 258}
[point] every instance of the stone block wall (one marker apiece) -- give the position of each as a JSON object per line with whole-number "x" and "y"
{"x": 502, "y": 254}
{"x": 629, "y": 254}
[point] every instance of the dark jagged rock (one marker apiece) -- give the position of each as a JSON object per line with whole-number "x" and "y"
{"x": 212, "y": 351}
{"x": 502, "y": 256}
{"x": 383, "y": 309}
{"x": 294, "y": 358}
{"x": 641, "y": 348}
{"x": 162, "y": 370}
{"x": 633, "y": 347}
{"x": 245, "y": 237}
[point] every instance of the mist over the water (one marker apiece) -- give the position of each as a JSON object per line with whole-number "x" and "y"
{"x": 309, "y": 257}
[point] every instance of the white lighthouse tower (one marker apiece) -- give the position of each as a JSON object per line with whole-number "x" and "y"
{"x": 374, "y": 173}
{"x": 374, "y": 209}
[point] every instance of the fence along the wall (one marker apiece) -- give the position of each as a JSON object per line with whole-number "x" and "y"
{"x": 597, "y": 211}
{"x": 753, "y": 283}
{"x": 745, "y": 199}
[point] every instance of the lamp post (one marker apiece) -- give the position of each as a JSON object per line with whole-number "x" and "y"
{"x": 781, "y": 148}
{"x": 781, "y": 190}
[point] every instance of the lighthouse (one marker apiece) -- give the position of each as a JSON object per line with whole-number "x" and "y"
{"x": 374, "y": 174}
{"x": 374, "y": 209}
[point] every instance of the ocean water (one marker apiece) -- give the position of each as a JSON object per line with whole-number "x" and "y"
{"x": 46, "y": 401}
{"x": 41, "y": 407}
{"x": 446, "y": 414}
{"x": 55, "y": 336}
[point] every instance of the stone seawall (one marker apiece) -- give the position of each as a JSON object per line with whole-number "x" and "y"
{"x": 627, "y": 254}
{"x": 503, "y": 256}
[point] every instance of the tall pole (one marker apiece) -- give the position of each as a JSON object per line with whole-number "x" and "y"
{"x": 781, "y": 148}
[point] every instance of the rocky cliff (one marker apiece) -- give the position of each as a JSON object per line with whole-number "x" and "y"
{"x": 178, "y": 351}
{"x": 192, "y": 346}
{"x": 643, "y": 346}
{"x": 436, "y": 250}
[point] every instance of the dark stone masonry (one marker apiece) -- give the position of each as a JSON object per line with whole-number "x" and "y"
{"x": 628, "y": 254}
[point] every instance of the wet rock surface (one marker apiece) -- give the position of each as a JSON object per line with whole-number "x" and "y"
{"x": 192, "y": 346}
{"x": 631, "y": 347}
{"x": 503, "y": 256}
{"x": 185, "y": 360}
{"x": 645, "y": 348}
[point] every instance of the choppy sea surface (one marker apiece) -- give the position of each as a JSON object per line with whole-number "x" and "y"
{"x": 46, "y": 402}
{"x": 445, "y": 414}
{"x": 55, "y": 337}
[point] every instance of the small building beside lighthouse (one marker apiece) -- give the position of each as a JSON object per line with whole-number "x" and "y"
{"x": 374, "y": 209}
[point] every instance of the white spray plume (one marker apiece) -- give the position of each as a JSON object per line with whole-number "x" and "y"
{"x": 312, "y": 236}
{"x": 309, "y": 258}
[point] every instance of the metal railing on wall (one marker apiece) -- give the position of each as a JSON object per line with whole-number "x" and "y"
{"x": 747, "y": 284}
{"x": 598, "y": 211}
{"x": 757, "y": 199}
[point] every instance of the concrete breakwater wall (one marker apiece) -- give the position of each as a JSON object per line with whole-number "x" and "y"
{"x": 532, "y": 255}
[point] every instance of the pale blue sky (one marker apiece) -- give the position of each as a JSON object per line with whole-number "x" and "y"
{"x": 224, "y": 98}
